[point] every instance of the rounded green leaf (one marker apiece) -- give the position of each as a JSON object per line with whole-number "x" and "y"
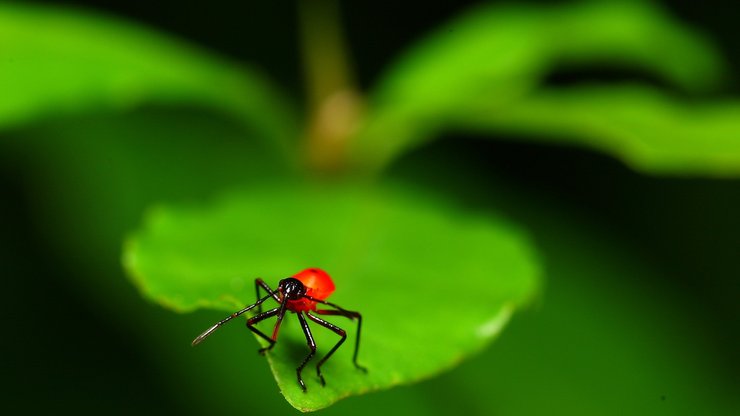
{"x": 59, "y": 61}
{"x": 434, "y": 284}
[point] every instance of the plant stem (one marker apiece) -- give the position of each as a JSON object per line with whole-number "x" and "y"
{"x": 334, "y": 105}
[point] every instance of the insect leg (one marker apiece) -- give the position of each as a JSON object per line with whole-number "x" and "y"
{"x": 347, "y": 314}
{"x": 259, "y": 283}
{"x": 337, "y": 330}
{"x": 261, "y": 317}
{"x": 311, "y": 345}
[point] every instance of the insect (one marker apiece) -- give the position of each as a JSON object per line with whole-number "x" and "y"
{"x": 300, "y": 294}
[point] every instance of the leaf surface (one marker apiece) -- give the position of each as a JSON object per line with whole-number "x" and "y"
{"x": 434, "y": 284}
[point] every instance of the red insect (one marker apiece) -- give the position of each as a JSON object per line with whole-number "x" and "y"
{"x": 301, "y": 294}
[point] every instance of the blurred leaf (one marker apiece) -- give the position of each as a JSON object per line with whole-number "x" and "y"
{"x": 647, "y": 129}
{"x": 55, "y": 61}
{"x": 503, "y": 53}
{"x": 396, "y": 256}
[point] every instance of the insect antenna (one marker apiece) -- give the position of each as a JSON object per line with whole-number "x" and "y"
{"x": 218, "y": 324}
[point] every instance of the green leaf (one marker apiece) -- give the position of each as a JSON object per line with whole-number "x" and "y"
{"x": 650, "y": 131}
{"x": 434, "y": 284}
{"x": 57, "y": 61}
{"x": 503, "y": 53}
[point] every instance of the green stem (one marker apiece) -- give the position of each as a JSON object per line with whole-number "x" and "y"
{"x": 333, "y": 102}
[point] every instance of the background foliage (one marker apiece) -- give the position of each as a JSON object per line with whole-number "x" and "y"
{"x": 639, "y": 309}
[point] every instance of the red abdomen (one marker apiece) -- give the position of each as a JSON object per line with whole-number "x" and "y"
{"x": 318, "y": 285}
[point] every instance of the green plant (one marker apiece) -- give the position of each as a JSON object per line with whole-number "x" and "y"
{"x": 435, "y": 279}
